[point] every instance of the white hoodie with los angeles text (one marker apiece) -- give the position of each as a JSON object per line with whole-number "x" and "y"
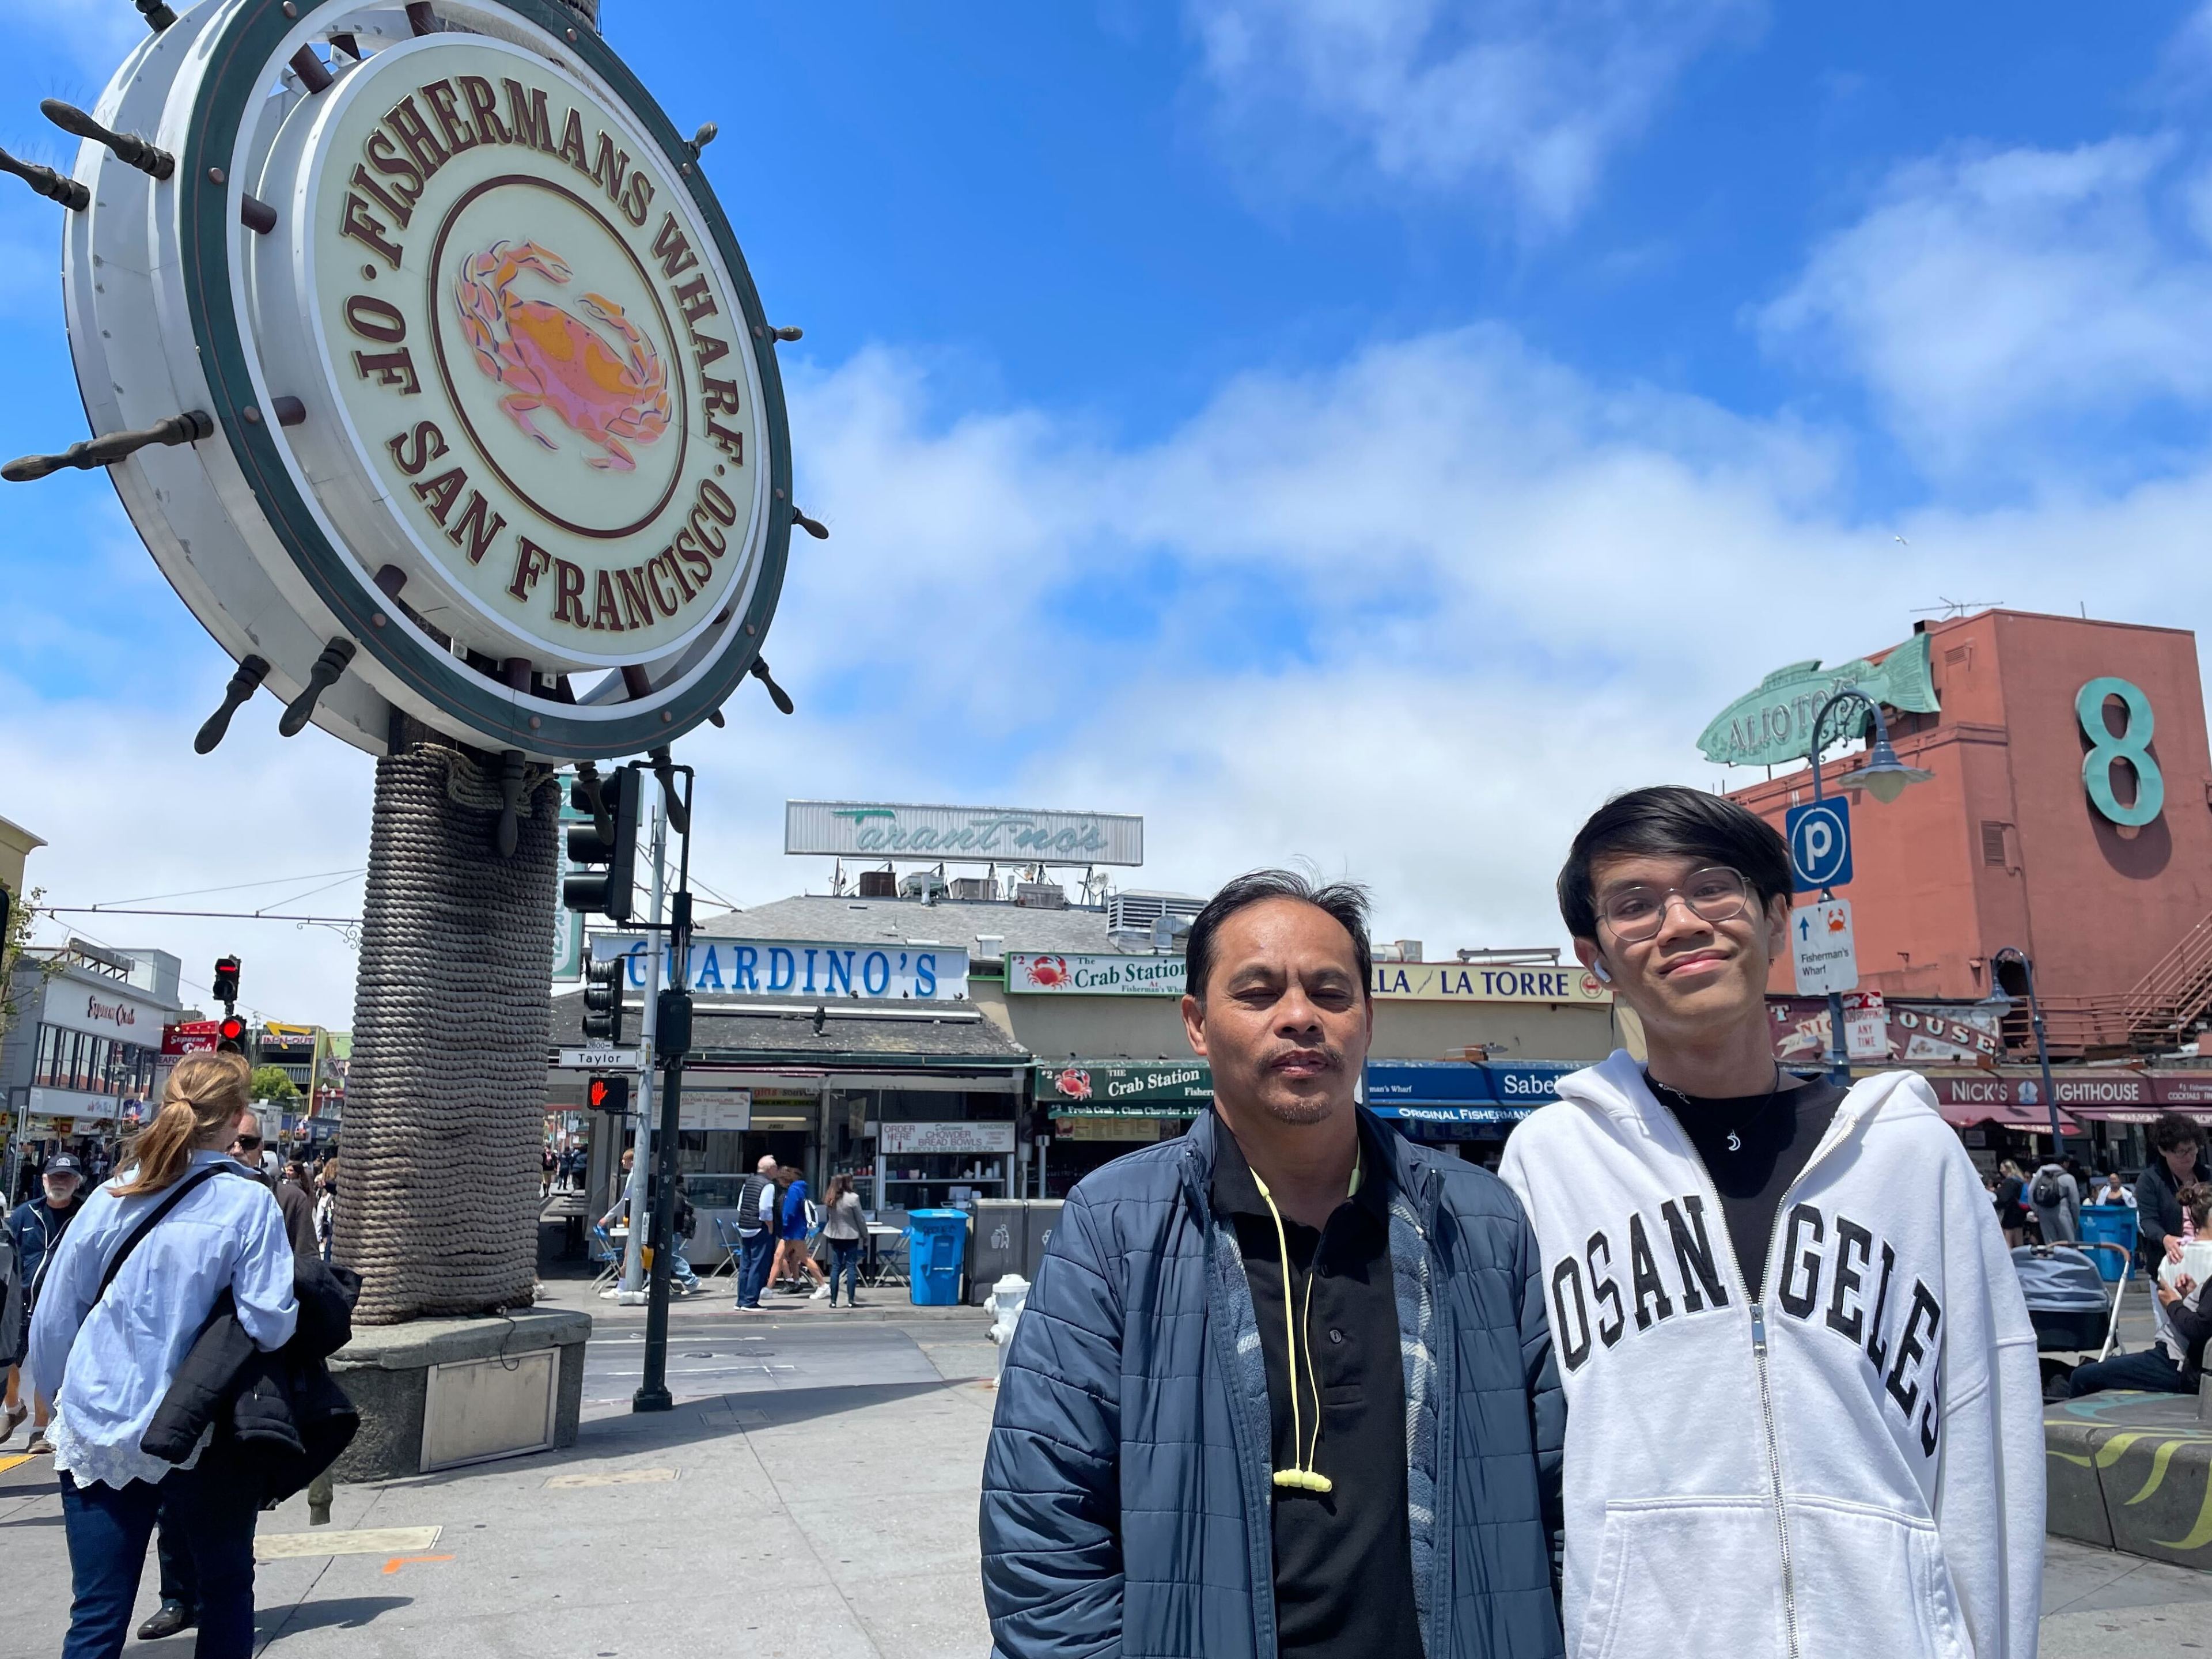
{"x": 1853, "y": 1466}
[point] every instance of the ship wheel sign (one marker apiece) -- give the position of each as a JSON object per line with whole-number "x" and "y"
{"x": 423, "y": 358}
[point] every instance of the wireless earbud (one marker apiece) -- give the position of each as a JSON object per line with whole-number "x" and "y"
{"x": 1598, "y": 967}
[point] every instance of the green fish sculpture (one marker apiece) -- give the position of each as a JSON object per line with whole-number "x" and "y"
{"x": 1773, "y": 724}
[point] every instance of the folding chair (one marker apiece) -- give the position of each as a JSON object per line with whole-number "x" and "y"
{"x": 891, "y": 1259}
{"x": 725, "y": 1235}
{"x": 603, "y": 1249}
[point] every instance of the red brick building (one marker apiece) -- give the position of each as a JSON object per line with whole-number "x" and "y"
{"x": 2020, "y": 838}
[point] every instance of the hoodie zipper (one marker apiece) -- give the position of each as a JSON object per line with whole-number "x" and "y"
{"x": 1759, "y": 1351}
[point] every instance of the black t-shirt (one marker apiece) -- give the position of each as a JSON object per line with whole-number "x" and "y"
{"x": 1772, "y": 1142}
{"x": 1343, "y": 1566}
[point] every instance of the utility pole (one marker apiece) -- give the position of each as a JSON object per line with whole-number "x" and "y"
{"x": 674, "y": 1040}
{"x": 633, "y": 1279}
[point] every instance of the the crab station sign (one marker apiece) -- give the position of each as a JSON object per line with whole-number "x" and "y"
{"x": 527, "y": 453}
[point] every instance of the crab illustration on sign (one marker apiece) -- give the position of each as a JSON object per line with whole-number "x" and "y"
{"x": 549, "y": 358}
{"x": 1048, "y": 972}
{"x": 1074, "y": 1083}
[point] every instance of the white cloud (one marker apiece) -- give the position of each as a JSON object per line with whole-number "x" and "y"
{"x": 1526, "y": 98}
{"x": 1986, "y": 297}
{"x": 1410, "y": 618}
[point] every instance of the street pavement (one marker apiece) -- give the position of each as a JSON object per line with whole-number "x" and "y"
{"x": 812, "y": 1496}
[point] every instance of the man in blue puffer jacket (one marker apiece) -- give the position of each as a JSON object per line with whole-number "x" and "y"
{"x": 1284, "y": 1386}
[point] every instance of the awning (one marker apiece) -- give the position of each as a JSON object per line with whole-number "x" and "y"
{"x": 2008, "y": 1114}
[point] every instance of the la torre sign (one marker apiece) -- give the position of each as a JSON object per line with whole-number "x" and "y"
{"x": 493, "y": 415}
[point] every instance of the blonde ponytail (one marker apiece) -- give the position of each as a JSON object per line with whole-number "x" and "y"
{"x": 205, "y": 1095}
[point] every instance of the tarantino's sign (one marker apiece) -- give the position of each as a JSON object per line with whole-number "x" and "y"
{"x": 533, "y": 339}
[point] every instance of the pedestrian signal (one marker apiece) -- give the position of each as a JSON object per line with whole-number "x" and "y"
{"x": 609, "y": 1094}
{"x": 602, "y": 1001}
{"x": 226, "y": 980}
{"x": 609, "y": 843}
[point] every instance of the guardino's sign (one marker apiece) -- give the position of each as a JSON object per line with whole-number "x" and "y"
{"x": 425, "y": 361}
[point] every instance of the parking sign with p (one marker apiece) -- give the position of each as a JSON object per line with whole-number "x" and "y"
{"x": 1820, "y": 838}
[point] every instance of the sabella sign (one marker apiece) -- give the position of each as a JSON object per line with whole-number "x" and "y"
{"x": 1006, "y": 835}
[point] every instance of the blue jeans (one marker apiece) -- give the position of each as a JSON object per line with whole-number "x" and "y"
{"x": 845, "y": 1263}
{"x": 108, "y": 1528}
{"x": 756, "y": 1250}
{"x": 2153, "y": 1369}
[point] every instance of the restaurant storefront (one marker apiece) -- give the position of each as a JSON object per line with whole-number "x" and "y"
{"x": 79, "y": 1066}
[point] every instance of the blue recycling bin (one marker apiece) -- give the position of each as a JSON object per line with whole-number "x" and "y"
{"x": 2109, "y": 1223}
{"x": 937, "y": 1256}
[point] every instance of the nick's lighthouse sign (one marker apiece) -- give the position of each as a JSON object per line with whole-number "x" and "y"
{"x": 426, "y": 365}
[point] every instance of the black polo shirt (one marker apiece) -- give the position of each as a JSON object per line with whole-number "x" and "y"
{"x": 1344, "y": 1569}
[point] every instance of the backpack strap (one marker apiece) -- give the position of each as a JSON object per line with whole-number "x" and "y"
{"x": 176, "y": 1196}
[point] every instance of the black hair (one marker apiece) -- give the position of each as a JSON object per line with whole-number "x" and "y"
{"x": 1671, "y": 820}
{"x": 1345, "y": 901}
{"x": 2172, "y": 1129}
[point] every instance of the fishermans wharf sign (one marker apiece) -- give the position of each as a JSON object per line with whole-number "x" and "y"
{"x": 484, "y": 418}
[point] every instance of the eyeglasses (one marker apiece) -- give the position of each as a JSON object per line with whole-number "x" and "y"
{"x": 247, "y": 1141}
{"x": 1716, "y": 893}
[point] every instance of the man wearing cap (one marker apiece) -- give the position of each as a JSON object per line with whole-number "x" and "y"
{"x": 34, "y": 1229}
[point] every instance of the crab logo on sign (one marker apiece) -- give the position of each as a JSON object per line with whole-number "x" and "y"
{"x": 428, "y": 366}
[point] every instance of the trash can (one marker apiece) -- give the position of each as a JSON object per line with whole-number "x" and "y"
{"x": 2109, "y": 1223}
{"x": 1044, "y": 1216}
{"x": 937, "y": 1257}
{"x": 1002, "y": 1233}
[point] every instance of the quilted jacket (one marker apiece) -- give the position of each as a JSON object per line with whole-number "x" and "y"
{"x": 1127, "y": 1504}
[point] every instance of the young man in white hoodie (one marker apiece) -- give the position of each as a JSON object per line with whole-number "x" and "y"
{"x": 1804, "y": 1416}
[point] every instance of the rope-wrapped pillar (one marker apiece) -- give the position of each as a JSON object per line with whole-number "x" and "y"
{"x": 438, "y": 1151}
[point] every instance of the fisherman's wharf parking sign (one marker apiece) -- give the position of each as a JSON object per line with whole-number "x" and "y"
{"x": 474, "y": 410}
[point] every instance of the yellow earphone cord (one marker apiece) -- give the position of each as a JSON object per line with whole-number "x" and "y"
{"x": 1304, "y": 1477}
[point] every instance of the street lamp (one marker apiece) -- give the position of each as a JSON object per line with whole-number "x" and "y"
{"x": 1885, "y": 777}
{"x": 2015, "y": 977}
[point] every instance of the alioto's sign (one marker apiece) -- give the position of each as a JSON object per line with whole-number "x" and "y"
{"x": 490, "y": 401}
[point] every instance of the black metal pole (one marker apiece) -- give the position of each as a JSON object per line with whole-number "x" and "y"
{"x": 652, "y": 1394}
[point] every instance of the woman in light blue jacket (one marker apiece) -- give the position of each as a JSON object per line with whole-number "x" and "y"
{"x": 130, "y": 1286}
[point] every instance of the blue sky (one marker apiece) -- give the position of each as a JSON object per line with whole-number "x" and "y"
{"x": 1366, "y": 430}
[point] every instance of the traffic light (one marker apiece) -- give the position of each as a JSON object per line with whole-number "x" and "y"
{"x": 232, "y": 1032}
{"x": 602, "y": 1000}
{"x": 607, "y": 891}
{"x": 226, "y": 981}
{"x": 609, "y": 1094}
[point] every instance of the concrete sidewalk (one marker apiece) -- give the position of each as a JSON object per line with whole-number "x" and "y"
{"x": 806, "y": 1508}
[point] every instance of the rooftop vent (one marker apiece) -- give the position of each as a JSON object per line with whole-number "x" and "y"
{"x": 878, "y": 884}
{"x": 1399, "y": 949}
{"x": 1041, "y": 895}
{"x": 1135, "y": 911}
{"x": 975, "y": 890}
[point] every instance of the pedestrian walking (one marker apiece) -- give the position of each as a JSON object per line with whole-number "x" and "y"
{"x": 2011, "y": 1204}
{"x": 1283, "y": 1386}
{"x": 34, "y": 1232}
{"x": 326, "y": 1207}
{"x": 795, "y": 1262}
{"x": 682, "y": 1219}
{"x": 846, "y": 1228}
{"x": 131, "y": 1287}
{"x": 1797, "y": 1362}
{"x": 758, "y": 1215}
{"x": 2058, "y": 1201}
{"x": 546, "y": 1165}
{"x": 2174, "y": 1363}
{"x": 2178, "y": 1161}
{"x": 2112, "y": 1190}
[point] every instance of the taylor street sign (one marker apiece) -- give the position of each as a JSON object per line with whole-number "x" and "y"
{"x": 1006, "y": 835}
{"x": 1773, "y": 726}
{"x": 600, "y": 1060}
{"x": 1820, "y": 838}
{"x": 1821, "y": 946}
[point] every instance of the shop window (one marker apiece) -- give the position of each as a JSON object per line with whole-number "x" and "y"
{"x": 1993, "y": 842}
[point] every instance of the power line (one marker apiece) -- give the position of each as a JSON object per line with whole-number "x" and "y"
{"x": 209, "y": 915}
{"x": 234, "y": 887}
